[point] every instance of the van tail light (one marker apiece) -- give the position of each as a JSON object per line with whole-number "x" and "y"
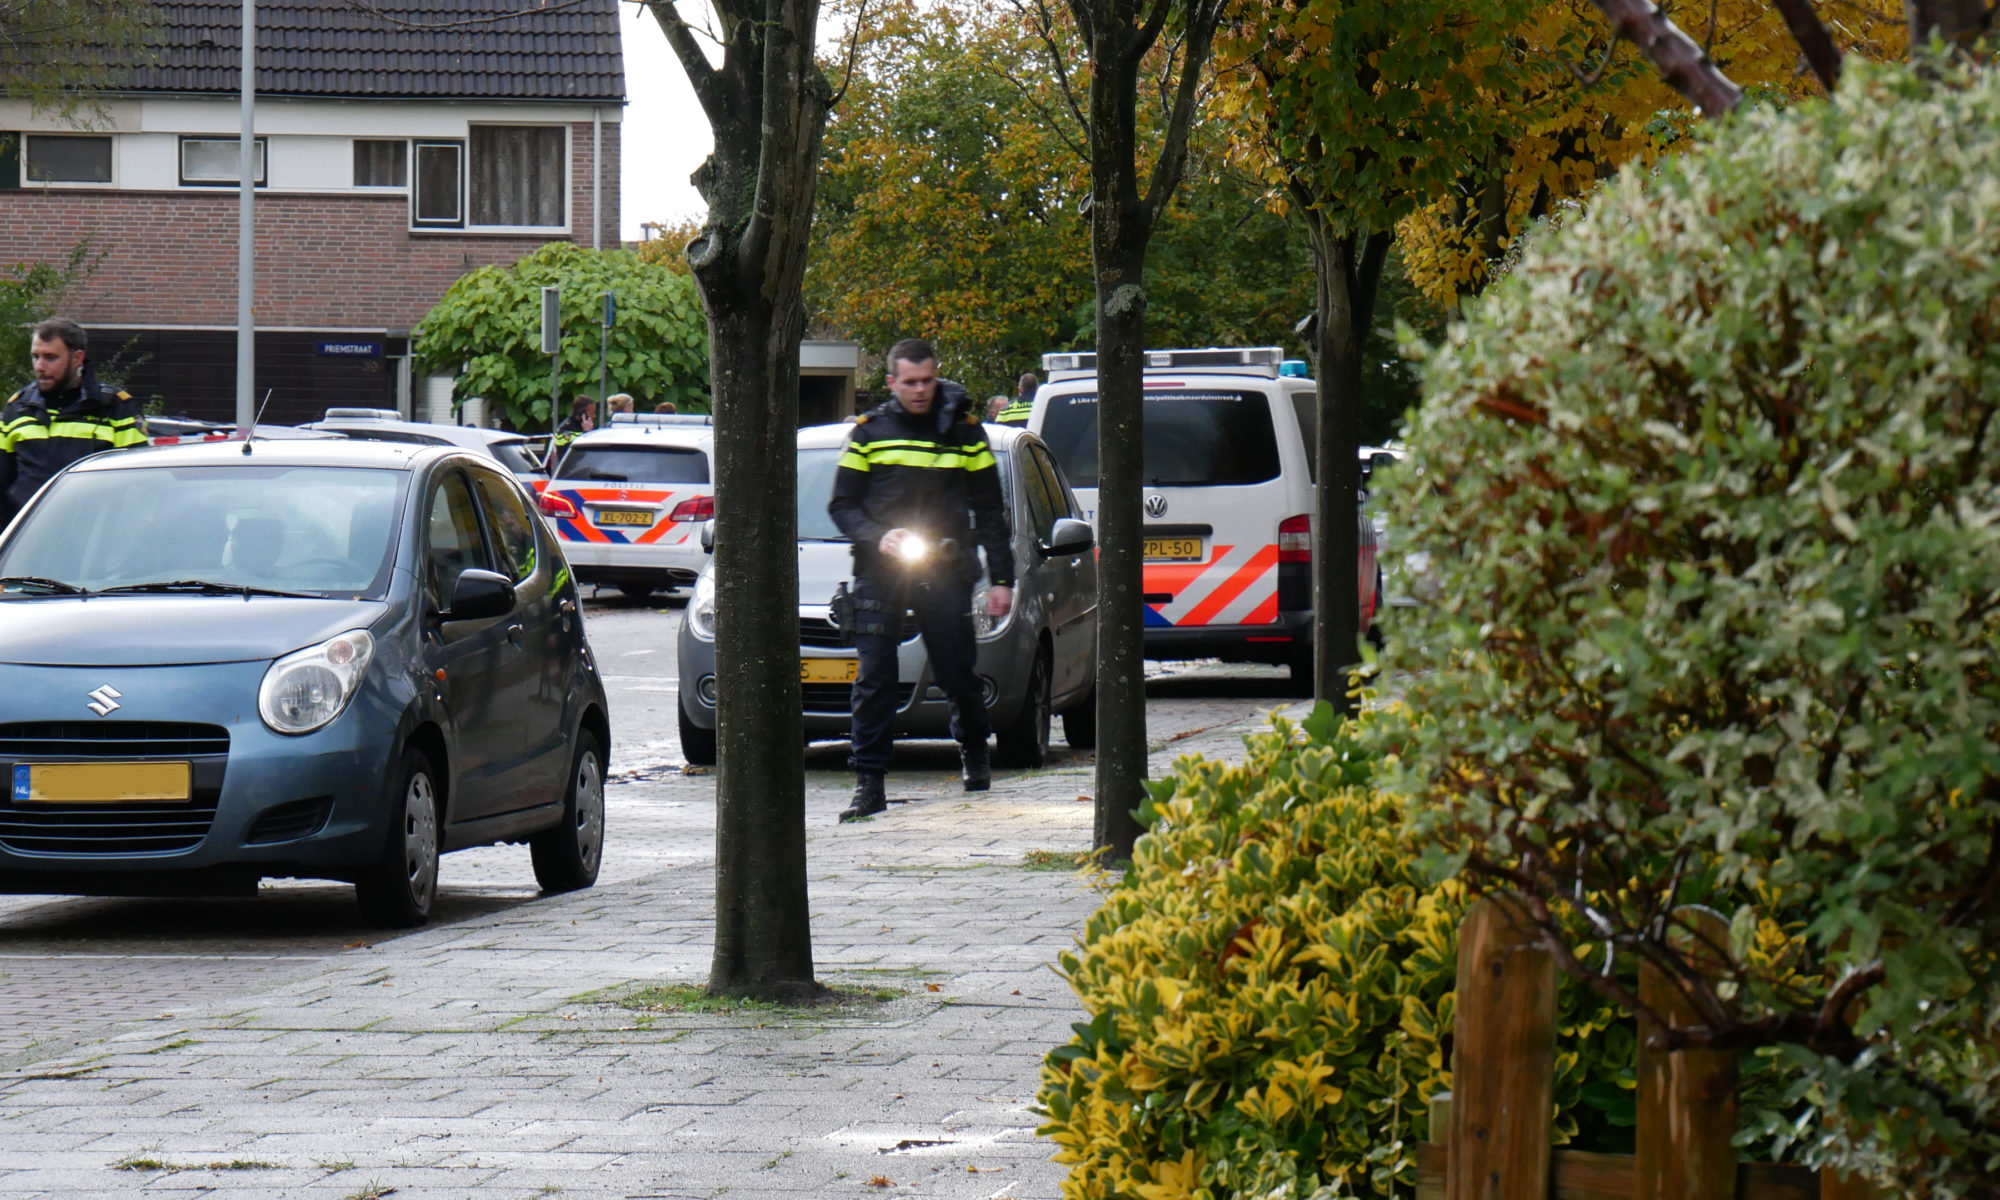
{"x": 553, "y": 505}
{"x": 1295, "y": 539}
{"x": 701, "y": 508}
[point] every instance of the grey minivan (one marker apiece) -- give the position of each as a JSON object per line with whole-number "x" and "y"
{"x": 1038, "y": 661}
{"x": 328, "y": 659}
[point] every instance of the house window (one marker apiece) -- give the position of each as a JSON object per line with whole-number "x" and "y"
{"x": 66, "y": 158}
{"x": 381, "y": 163}
{"x": 213, "y": 162}
{"x": 438, "y": 201}
{"x": 517, "y": 175}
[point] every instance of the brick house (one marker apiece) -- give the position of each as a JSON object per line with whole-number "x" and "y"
{"x": 401, "y": 144}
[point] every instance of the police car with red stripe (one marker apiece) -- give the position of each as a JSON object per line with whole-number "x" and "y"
{"x": 1229, "y": 498}
{"x": 629, "y": 501}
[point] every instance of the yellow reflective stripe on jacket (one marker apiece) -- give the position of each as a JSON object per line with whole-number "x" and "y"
{"x": 99, "y": 431}
{"x": 853, "y": 459}
{"x": 22, "y": 431}
{"x": 925, "y": 454}
{"x": 1016, "y": 412}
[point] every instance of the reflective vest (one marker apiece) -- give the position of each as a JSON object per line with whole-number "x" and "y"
{"x": 36, "y": 441}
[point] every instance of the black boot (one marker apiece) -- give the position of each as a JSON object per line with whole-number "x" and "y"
{"x": 869, "y": 797}
{"x": 976, "y": 770}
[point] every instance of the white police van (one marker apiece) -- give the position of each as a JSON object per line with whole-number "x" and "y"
{"x": 1228, "y": 498}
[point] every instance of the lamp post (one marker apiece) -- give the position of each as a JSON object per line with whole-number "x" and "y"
{"x": 246, "y": 229}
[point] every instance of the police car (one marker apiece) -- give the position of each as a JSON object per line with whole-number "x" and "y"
{"x": 1228, "y": 499}
{"x": 629, "y": 501}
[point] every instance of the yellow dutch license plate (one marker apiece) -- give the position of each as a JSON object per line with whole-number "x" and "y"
{"x": 623, "y": 516}
{"x": 103, "y": 783}
{"x": 1173, "y": 549}
{"x": 829, "y": 670}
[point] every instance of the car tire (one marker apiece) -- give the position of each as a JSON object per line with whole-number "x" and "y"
{"x": 1080, "y": 722}
{"x": 1025, "y": 743}
{"x": 637, "y": 591}
{"x": 697, "y": 744}
{"x": 397, "y": 890}
{"x": 566, "y": 856}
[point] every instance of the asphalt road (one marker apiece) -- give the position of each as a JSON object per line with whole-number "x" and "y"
{"x": 71, "y": 968}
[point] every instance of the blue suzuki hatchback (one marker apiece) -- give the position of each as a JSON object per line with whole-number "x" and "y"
{"x": 325, "y": 659}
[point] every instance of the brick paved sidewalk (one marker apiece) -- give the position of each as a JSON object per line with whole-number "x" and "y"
{"x": 478, "y": 1059}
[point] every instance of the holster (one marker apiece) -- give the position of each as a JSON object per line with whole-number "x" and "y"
{"x": 856, "y": 615}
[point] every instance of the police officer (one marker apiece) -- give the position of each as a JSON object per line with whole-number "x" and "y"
{"x": 64, "y": 415}
{"x": 916, "y": 489}
{"x": 1023, "y": 405}
{"x": 582, "y": 419}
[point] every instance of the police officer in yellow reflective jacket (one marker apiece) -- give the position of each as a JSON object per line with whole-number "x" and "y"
{"x": 916, "y": 491}
{"x": 64, "y": 415}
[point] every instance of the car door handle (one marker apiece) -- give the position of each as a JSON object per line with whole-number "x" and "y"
{"x": 514, "y": 636}
{"x": 567, "y": 607}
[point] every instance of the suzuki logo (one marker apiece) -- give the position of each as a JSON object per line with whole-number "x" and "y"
{"x": 1156, "y": 505}
{"x": 104, "y": 700}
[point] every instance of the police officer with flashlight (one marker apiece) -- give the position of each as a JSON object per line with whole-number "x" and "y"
{"x": 917, "y": 489}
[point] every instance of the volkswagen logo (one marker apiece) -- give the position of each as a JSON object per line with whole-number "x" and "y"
{"x": 104, "y": 701}
{"x": 1156, "y": 505}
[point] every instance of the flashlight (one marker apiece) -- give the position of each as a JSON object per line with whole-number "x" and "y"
{"x": 913, "y": 549}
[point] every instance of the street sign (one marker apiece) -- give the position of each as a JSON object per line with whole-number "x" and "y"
{"x": 551, "y": 320}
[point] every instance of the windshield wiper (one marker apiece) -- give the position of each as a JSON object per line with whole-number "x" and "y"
{"x": 608, "y": 477}
{"x": 55, "y": 586}
{"x": 203, "y": 587}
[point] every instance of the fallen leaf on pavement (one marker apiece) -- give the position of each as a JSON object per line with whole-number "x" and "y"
{"x": 881, "y": 1181}
{"x": 932, "y": 987}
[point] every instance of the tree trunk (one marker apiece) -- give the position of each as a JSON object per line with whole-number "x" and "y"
{"x": 1120, "y": 228}
{"x": 1959, "y": 22}
{"x": 1121, "y": 646}
{"x": 1347, "y": 271}
{"x": 767, "y": 106}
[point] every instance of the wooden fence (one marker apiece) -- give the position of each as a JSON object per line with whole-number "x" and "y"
{"x": 1498, "y": 1120}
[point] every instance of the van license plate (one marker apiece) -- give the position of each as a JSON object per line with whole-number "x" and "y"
{"x": 103, "y": 783}
{"x": 829, "y": 670}
{"x": 1173, "y": 549}
{"x": 623, "y": 516}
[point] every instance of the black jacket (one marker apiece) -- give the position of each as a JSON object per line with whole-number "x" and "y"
{"x": 934, "y": 474}
{"x": 40, "y": 435}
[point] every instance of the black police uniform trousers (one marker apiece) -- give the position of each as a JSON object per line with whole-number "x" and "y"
{"x": 944, "y": 617}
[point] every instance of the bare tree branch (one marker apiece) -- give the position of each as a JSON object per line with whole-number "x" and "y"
{"x": 853, "y": 52}
{"x": 1681, "y": 63}
{"x": 1044, "y": 25}
{"x": 702, "y": 76}
{"x": 1142, "y": 39}
{"x": 548, "y": 6}
{"x": 1821, "y": 53}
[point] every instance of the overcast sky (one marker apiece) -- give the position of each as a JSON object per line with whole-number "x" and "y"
{"x": 665, "y": 135}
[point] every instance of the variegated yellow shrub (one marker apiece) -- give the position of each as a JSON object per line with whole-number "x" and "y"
{"x": 1269, "y": 987}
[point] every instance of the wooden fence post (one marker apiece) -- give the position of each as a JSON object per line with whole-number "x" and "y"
{"x": 1687, "y": 1098}
{"x": 1502, "y": 1059}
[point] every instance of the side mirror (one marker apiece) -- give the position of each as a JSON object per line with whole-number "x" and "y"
{"x": 708, "y": 536}
{"x": 1070, "y": 536}
{"x": 479, "y": 595}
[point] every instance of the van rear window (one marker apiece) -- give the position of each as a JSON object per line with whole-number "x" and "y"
{"x": 1192, "y": 439}
{"x": 633, "y": 464}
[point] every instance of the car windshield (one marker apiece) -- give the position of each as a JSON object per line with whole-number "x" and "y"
{"x": 634, "y": 464}
{"x": 514, "y": 456}
{"x": 322, "y": 530}
{"x": 1192, "y": 439}
{"x": 816, "y": 469}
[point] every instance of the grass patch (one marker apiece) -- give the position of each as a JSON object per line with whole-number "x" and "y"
{"x": 1058, "y": 860}
{"x": 144, "y": 1162}
{"x": 372, "y": 1191}
{"x": 692, "y": 998}
{"x": 175, "y": 1045}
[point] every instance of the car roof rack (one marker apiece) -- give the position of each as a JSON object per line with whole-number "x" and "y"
{"x": 1211, "y": 360}
{"x": 363, "y": 414}
{"x": 662, "y": 419}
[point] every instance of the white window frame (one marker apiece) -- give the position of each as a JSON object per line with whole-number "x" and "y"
{"x": 387, "y": 189}
{"x": 464, "y": 146}
{"x": 29, "y": 183}
{"x": 235, "y": 144}
{"x": 417, "y": 148}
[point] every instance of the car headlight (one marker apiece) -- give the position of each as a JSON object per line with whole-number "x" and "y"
{"x": 701, "y": 609}
{"x": 306, "y": 690}
{"x": 986, "y": 626}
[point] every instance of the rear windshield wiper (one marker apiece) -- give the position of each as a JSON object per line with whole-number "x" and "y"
{"x": 55, "y": 586}
{"x": 203, "y": 587}
{"x": 608, "y": 477}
